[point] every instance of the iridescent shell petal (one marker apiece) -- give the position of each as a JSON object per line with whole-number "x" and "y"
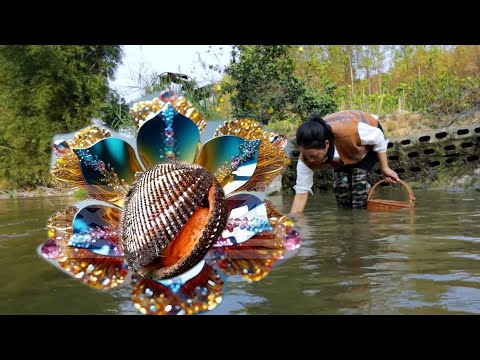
{"x": 51, "y": 249}
{"x": 272, "y": 159}
{"x": 231, "y": 159}
{"x": 153, "y": 298}
{"x": 99, "y": 272}
{"x": 66, "y": 172}
{"x": 166, "y": 136}
{"x": 204, "y": 291}
{"x": 247, "y": 218}
{"x": 284, "y": 227}
{"x": 142, "y": 110}
{"x": 252, "y": 259}
{"x": 61, "y": 148}
{"x": 59, "y": 225}
{"x": 88, "y": 136}
{"x": 108, "y": 167}
{"x": 200, "y": 289}
{"x": 273, "y": 214}
{"x": 278, "y": 141}
{"x": 247, "y": 129}
{"x": 185, "y": 107}
{"x": 97, "y": 228}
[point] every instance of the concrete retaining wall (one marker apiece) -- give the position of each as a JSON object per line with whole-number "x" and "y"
{"x": 432, "y": 158}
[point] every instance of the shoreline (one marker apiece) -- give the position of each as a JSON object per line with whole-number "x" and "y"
{"x": 49, "y": 192}
{"x": 36, "y": 193}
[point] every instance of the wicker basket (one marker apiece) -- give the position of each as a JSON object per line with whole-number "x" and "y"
{"x": 378, "y": 204}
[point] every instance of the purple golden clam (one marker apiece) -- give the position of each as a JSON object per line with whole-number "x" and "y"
{"x": 168, "y": 215}
{"x": 172, "y": 216}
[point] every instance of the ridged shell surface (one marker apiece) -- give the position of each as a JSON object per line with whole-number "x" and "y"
{"x": 158, "y": 206}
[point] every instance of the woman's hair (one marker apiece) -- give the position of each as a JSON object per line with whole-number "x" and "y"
{"x": 313, "y": 133}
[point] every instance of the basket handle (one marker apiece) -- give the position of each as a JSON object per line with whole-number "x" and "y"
{"x": 411, "y": 197}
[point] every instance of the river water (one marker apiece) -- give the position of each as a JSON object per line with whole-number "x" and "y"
{"x": 420, "y": 261}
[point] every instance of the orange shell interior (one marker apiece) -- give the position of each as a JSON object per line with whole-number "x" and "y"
{"x": 189, "y": 235}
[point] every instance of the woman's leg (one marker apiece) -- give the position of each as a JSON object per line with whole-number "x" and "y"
{"x": 342, "y": 188}
{"x": 360, "y": 188}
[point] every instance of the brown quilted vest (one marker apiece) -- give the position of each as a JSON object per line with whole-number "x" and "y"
{"x": 345, "y": 130}
{"x": 347, "y": 141}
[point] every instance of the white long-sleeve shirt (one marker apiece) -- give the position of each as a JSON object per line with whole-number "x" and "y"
{"x": 369, "y": 135}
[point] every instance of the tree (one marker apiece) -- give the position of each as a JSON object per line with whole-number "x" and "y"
{"x": 263, "y": 85}
{"x": 46, "y": 90}
{"x": 115, "y": 111}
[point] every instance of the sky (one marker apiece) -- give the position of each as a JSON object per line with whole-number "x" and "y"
{"x": 167, "y": 58}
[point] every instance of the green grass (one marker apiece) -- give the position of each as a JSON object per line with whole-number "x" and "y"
{"x": 285, "y": 127}
{"x": 80, "y": 194}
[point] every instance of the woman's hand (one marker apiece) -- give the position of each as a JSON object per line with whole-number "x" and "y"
{"x": 390, "y": 176}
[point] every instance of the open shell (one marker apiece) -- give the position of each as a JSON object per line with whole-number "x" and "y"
{"x": 173, "y": 214}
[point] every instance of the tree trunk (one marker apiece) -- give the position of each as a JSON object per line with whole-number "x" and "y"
{"x": 351, "y": 73}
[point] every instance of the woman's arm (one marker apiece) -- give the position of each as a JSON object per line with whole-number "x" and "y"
{"x": 299, "y": 202}
{"x": 389, "y": 175}
{"x": 370, "y": 135}
{"x": 302, "y": 187}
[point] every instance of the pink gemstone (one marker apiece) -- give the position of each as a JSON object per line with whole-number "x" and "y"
{"x": 292, "y": 240}
{"x": 169, "y": 132}
{"x": 101, "y": 166}
{"x": 168, "y": 96}
{"x": 56, "y": 151}
{"x": 169, "y": 141}
{"x": 61, "y": 148}
{"x": 50, "y": 249}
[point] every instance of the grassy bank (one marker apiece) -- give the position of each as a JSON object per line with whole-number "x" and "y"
{"x": 397, "y": 124}
{"x": 38, "y": 192}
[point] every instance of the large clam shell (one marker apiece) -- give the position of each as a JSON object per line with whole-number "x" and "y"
{"x": 172, "y": 216}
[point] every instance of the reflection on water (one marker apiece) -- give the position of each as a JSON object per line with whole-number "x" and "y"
{"x": 351, "y": 261}
{"x": 84, "y": 243}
